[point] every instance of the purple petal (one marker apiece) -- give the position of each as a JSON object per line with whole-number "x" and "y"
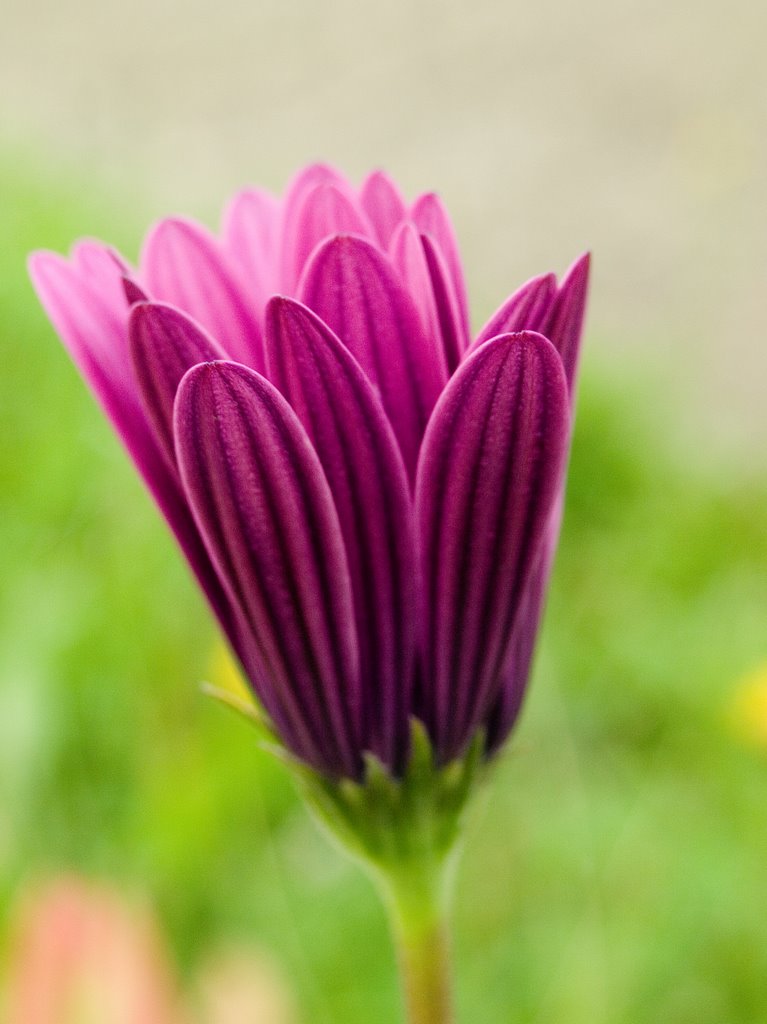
{"x": 565, "y": 323}
{"x": 263, "y": 506}
{"x": 250, "y": 235}
{"x": 431, "y": 218}
{"x": 526, "y": 310}
{"x": 353, "y": 287}
{"x": 133, "y": 292}
{"x": 454, "y": 335}
{"x": 96, "y": 338}
{"x": 490, "y": 472}
{"x": 382, "y": 202}
{"x": 164, "y": 344}
{"x": 325, "y": 211}
{"x": 350, "y": 432}
{"x": 183, "y": 264}
{"x": 516, "y": 673}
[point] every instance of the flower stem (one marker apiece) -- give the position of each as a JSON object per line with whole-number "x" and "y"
{"x": 417, "y": 902}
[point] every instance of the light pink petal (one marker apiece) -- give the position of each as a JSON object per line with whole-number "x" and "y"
{"x": 382, "y": 202}
{"x": 96, "y": 339}
{"x": 325, "y": 211}
{"x": 250, "y": 234}
{"x": 304, "y": 182}
{"x": 183, "y": 264}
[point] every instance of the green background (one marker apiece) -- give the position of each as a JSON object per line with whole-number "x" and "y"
{"x": 616, "y": 869}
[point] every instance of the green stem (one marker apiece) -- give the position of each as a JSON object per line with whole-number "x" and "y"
{"x": 417, "y": 902}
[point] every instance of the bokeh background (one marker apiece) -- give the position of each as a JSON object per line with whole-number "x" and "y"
{"x": 617, "y": 870}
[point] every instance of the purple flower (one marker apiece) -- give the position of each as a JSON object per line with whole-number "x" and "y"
{"x": 369, "y": 498}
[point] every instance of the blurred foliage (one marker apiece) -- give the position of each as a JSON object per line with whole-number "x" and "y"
{"x": 616, "y": 870}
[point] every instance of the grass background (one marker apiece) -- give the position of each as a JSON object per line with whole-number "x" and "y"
{"x": 617, "y": 868}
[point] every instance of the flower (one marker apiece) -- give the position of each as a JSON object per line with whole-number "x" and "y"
{"x": 369, "y": 497}
{"x": 81, "y": 954}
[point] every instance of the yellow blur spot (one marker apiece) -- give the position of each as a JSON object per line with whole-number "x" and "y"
{"x": 224, "y": 674}
{"x": 748, "y": 708}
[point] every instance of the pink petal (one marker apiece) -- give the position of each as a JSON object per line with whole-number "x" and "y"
{"x": 251, "y": 237}
{"x": 431, "y": 218}
{"x": 527, "y": 309}
{"x": 565, "y": 322}
{"x": 183, "y": 264}
{"x": 383, "y": 203}
{"x": 407, "y": 253}
{"x": 96, "y": 339}
{"x": 324, "y": 211}
{"x": 455, "y": 338}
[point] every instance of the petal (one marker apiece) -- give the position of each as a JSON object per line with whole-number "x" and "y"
{"x": 526, "y": 310}
{"x": 164, "y": 344}
{"x": 489, "y": 475}
{"x": 263, "y": 506}
{"x": 350, "y": 432}
{"x": 250, "y": 233}
{"x": 383, "y": 203}
{"x": 455, "y": 338}
{"x": 516, "y": 673}
{"x": 133, "y": 292}
{"x": 353, "y": 287}
{"x": 99, "y": 265}
{"x": 97, "y": 342}
{"x": 431, "y": 218}
{"x": 565, "y": 323}
{"x": 407, "y": 253}
{"x": 183, "y": 264}
{"x": 324, "y": 211}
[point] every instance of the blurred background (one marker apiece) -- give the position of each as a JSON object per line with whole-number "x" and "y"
{"x": 617, "y": 871}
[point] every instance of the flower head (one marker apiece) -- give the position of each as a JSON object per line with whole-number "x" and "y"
{"x": 369, "y": 496}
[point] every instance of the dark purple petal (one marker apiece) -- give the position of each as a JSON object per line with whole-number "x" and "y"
{"x": 516, "y": 673}
{"x": 455, "y": 338}
{"x": 354, "y": 288}
{"x": 431, "y": 218}
{"x": 489, "y": 475}
{"x": 325, "y": 211}
{"x": 96, "y": 338}
{"x": 350, "y": 432}
{"x": 565, "y": 322}
{"x": 526, "y": 310}
{"x": 382, "y": 202}
{"x": 164, "y": 343}
{"x": 263, "y": 506}
{"x": 183, "y": 264}
{"x": 133, "y": 291}
{"x": 250, "y": 235}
